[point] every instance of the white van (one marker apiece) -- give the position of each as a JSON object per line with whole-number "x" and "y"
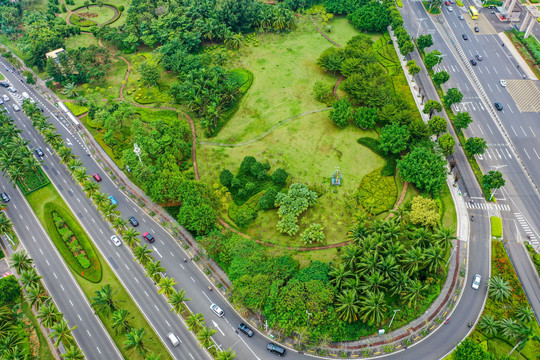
{"x": 174, "y": 340}
{"x": 25, "y": 95}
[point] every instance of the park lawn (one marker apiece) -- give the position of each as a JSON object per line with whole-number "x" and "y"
{"x": 44, "y": 351}
{"x": 309, "y": 148}
{"x": 449, "y": 218}
{"x": 82, "y": 40}
{"x": 94, "y": 13}
{"x": 47, "y": 194}
{"x": 110, "y": 84}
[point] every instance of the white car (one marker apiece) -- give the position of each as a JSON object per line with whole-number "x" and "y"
{"x": 5, "y": 97}
{"x": 450, "y": 9}
{"x": 476, "y": 282}
{"x": 16, "y": 107}
{"x": 216, "y": 309}
{"x": 503, "y": 83}
{"x": 116, "y": 240}
{"x": 173, "y": 339}
{"x": 461, "y": 17}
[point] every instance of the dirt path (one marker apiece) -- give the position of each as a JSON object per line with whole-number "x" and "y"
{"x": 341, "y": 78}
{"x": 401, "y": 198}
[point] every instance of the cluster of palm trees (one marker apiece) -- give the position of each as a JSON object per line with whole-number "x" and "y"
{"x": 16, "y": 160}
{"x": 48, "y": 314}
{"x": 386, "y": 257}
{"x": 197, "y": 324}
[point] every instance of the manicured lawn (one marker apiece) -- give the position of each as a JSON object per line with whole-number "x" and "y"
{"x": 96, "y": 14}
{"x": 44, "y": 351}
{"x": 449, "y": 219}
{"x": 496, "y": 226}
{"x": 82, "y": 40}
{"x": 75, "y": 109}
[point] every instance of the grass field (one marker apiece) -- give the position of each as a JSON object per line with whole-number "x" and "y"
{"x": 96, "y": 14}
{"x": 82, "y": 40}
{"x": 49, "y": 194}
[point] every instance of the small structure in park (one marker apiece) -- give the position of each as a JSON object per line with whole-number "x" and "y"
{"x": 336, "y": 177}
{"x": 54, "y": 55}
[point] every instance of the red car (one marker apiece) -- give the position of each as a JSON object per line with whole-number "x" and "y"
{"x": 96, "y": 177}
{"x": 148, "y": 237}
{"x": 447, "y": 3}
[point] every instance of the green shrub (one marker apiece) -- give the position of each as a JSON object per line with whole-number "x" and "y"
{"x": 121, "y": 8}
{"x": 75, "y": 109}
{"x": 377, "y": 193}
{"x": 496, "y": 226}
{"x": 245, "y": 216}
{"x": 82, "y": 22}
{"x": 389, "y": 168}
{"x": 313, "y": 234}
{"x": 33, "y": 181}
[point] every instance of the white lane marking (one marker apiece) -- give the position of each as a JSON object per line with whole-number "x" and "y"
{"x": 526, "y": 153}
{"x": 88, "y": 332}
{"x": 146, "y": 293}
{"x": 136, "y": 280}
{"x": 495, "y": 69}
{"x": 79, "y": 200}
{"x": 27, "y": 228}
{"x": 168, "y": 323}
{"x": 47, "y": 261}
{"x": 41, "y": 251}
{"x": 117, "y": 254}
{"x": 101, "y": 231}
{"x": 206, "y": 296}
{"x": 192, "y": 279}
{"x": 99, "y": 351}
{"x": 127, "y": 267}
{"x": 513, "y": 130}
{"x": 161, "y": 241}
{"x": 33, "y": 238}
{"x": 79, "y": 316}
{"x": 524, "y": 133}
{"x": 532, "y": 131}
{"x": 508, "y": 152}
{"x": 191, "y": 356}
{"x": 156, "y": 250}
{"x": 156, "y": 307}
{"x": 70, "y": 302}
{"x": 536, "y": 153}
{"x": 490, "y": 89}
{"x": 171, "y": 253}
{"x": 56, "y": 277}
{"x": 62, "y": 287}
{"x": 93, "y": 220}
{"x": 509, "y": 108}
{"x": 182, "y": 266}
{"x": 143, "y": 219}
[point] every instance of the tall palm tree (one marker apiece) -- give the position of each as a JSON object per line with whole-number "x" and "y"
{"x": 142, "y": 254}
{"x": 524, "y": 333}
{"x": 48, "y": 314}
{"x": 21, "y": 261}
{"x": 35, "y": 294}
{"x": 62, "y": 332}
{"x": 499, "y": 288}
{"x": 74, "y": 164}
{"x": 444, "y": 237}
{"x": 69, "y": 90}
{"x": 177, "y": 300}
{"x": 509, "y": 328}
{"x": 226, "y": 355}
{"x": 119, "y": 224}
{"x": 52, "y": 138}
{"x": 154, "y": 270}
{"x": 413, "y": 292}
{"x": 205, "y": 336}
{"x": 422, "y": 237}
{"x": 358, "y": 233}
{"x": 135, "y": 341}
{"x": 389, "y": 267}
{"x": 90, "y": 188}
{"x": 488, "y": 325}
{"x": 29, "y": 278}
{"x": 348, "y": 305}
{"x": 194, "y": 321}
{"x": 73, "y": 353}
{"x": 412, "y": 260}
{"x": 392, "y": 230}
{"x": 6, "y": 225}
{"x": 351, "y": 257}
{"x": 152, "y": 356}
{"x": 65, "y": 154}
{"x": 399, "y": 283}
{"x": 434, "y": 258}
{"x": 120, "y": 320}
{"x": 130, "y": 237}
{"x": 234, "y": 41}
{"x": 373, "y": 308}
{"x": 166, "y": 286}
{"x": 104, "y": 300}
{"x": 109, "y": 211}
{"x": 79, "y": 174}
{"x": 525, "y": 314}
{"x": 100, "y": 199}
{"x": 375, "y": 282}
{"x": 338, "y": 275}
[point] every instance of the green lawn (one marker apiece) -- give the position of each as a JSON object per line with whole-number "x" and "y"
{"x": 449, "y": 217}
{"x": 82, "y": 40}
{"x": 496, "y": 226}
{"x": 96, "y": 14}
{"x": 47, "y": 194}
{"x": 44, "y": 351}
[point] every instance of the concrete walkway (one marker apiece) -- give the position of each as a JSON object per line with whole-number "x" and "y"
{"x": 516, "y": 55}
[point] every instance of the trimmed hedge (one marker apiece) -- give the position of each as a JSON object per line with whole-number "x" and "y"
{"x": 93, "y": 271}
{"x": 252, "y": 204}
{"x": 34, "y": 182}
{"x": 377, "y": 193}
{"x": 76, "y": 109}
{"x": 82, "y": 22}
{"x": 372, "y": 144}
{"x": 496, "y": 226}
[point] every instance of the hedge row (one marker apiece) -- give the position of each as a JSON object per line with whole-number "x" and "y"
{"x": 377, "y": 193}
{"x": 389, "y": 168}
{"x": 34, "y": 182}
{"x": 93, "y": 273}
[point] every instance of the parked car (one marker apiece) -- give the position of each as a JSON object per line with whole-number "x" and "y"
{"x": 5, "y": 97}
{"x": 1, "y": 102}
{"x": 116, "y": 241}
{"x": 148, "y": 237}
{"x": 133, "y": 221}
{"x": 96, "y": 177}
{"x": 447, "y": 3}
{"x": 39, "y": 152}
{"x": 498, "y": 106}
{"x": 173, "y": 338}
{"x": 275, "y": 349}
{"x": 217, "y": 310}
{"x": 245, "y": 329}
{"x": 465, "y": 37}
{"x": 503, "y": 82}
{"x": 4, "y": 84}
{"x": 113, "y": 200}
{"x": 16, "y": 107}
{"x": 478, "y": 57}
{"x": 12, "y": 90}
{"x": 476, "y": 29}
{"x": 473, "y": 62}
{"x": 5, "y": 197}
{"x": 476, "y": 282}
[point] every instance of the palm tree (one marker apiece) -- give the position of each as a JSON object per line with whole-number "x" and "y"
{"x": 48, "y": 314}
{"x": 142, "y": 254}
{"x": 69, "y": 90}
{"x": 399, "y": 283}
{"x": 194, "y": 321}
{"x": 130, "y": 237}
{"x": 120, "y": 320}
{"x": 119, "y": 224}
{"x": 374, "y": 282}
{"x": 104, "y": 300}
{"x": 35, "y": 294}
{"x": 348, "y": 305}
{"x": 90, "y": 188}
{"x": 166, "y": 286}
{"x": 444, "y": 237}
{"x": 205, "y": 336}
{"x": 65, "y": 154}
{"x": 109, "y": 211}
{"x": 79, "y": 174}
{"x": 152, "y": 356}
{"x": 499, "y": 288}
{"x": 226, "y": 355}
{"x": 73, "y": 353}
{"x": 135, "y": 341}
{"x": 62, "y": 332}
{"x": 524, "y": 333}
{"x": 351, "y": 257}
{"x": 388, "y": 268}
{"x": 74, "y": 164}
{"x": 177, "y": 300}
{"x": 373, "y": 309}
{"x": 392, "y": 230}
{"x": 422, "y": 237}
{"x": 525, "y": 314}
{"x": 20, "y": 261}
{"x": 339, "y": 275}
{"x": 488, "y": 325}
{"x": 358, "y": 232}
{"x": 29, "y": 278}
{"x": 234, "y": 41}
{"x": 154, "y": 270}
{"x": 412, "y": 260}
{"x": 413, "y": 292}
{"x": 52, "y": 138}
{"x": 434, "y": 258}
{"x": 100, "y": 199}
{"x": 509, "y": 328}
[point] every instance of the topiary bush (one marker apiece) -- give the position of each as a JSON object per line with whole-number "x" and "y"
{"x": 377, "y": 193}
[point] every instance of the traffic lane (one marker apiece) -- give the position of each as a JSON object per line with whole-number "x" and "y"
{"x": 90, "y": 334}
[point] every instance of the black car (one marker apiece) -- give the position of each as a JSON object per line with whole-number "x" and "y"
{"x": 245, "y": 329}
{"x": 133, "y": 221}
{"x": 476, "y": 29}
{"x": 478, "y": 57}
{"x": 473, "y": 62}
{"x": 39, "y": 152}
{"x": 275, "y": 349}
{"x": 465, "y": 37}
{"x": 5, "y": 197}
{"x": 498, "y": 106}
{"x": 4, "y": 84}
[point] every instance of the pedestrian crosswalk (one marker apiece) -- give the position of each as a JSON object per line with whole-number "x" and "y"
{"x": 526, "y": 95}
{"x": 484, "y": 206}
{"x": 525, "y": 225}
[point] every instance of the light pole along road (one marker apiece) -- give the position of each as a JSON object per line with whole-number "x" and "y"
{"x": 168, "y": 251}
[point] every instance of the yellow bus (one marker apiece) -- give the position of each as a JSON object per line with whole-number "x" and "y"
{"x": 473, "y": 12}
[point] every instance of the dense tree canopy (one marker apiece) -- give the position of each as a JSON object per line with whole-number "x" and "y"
{"x": 371, "y": 17}
{"x": 424, "y": 168}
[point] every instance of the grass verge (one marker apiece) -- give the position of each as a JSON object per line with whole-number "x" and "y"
{"x": 535, "y": 257}
{"x": 43, "y": 351}
{"x": 496, "y": 226}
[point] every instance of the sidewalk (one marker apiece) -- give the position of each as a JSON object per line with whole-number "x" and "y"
{"x": 516, "y": 55}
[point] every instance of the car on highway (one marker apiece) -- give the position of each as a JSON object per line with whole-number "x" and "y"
{"x": 173, "y": 339}
{"x": 461, "y": 17}
{"x": 502, "y": 82}
{"x": 245, "y": 329}
{"x": 275, "y": 349}
{"x": 39, "y": 152}
{"x": 478, "y": 57}
{"x": 5, "y": 197}
{"x": 5, "y": 97}
{"x": 447, "y": 3}
{"x": 4, "y": 84}
{"x": 473, "y": 62}
{"x": 16, "y": 107}
{"x": 217, "y": 310}
{"x": 133, "y": 221}
{"x": 113, "y": 200}
{"x": 96, "y": 177}
{"x": 465, "y": 37}
{"x": 148, "y": 237}
{"x": 116, "y": 240}
{"x": 476, "y": 282}
{"x": 498, "y": 106}
{"x": 451, "y": 9}
{"x": 476, "y": 29}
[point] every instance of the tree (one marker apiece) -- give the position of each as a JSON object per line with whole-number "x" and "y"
{"x": 177, "y": 300}
{"x": 226, "y": 355}
{"x": 371, "y": 17}
{"x": 279, "y": 177}
{"x": 499, "y": 289}
{"x": 10, "y": 291}
{"x": 195, "y": 321}
{"x": 166, "y": 286}
{"x": 73, "y": 353}
{"x": 69, "y": 90}
{"x": 21, "y": 261}
{"x": 154, "y": 270}
{"x": 394, "y": 138}
{"x": 136, "y": 341}
{"x": 493, "y": 180}
{"x": 412, "y": 260}
{"x": 104, "y": 300}
{"x": 341, "y": 113}
{"x": 90, "y": 188}
{"x": 475, "y": 146}
{"x": 525, "y": 314}
{"x": 462, "y": 120}
{"x": 437, "y": 125}
{"x": 226, "y": 178}
{"x": 413, "y": 292}
{"x": 524, "y": 333}
{"x": 313, "y": 234}
{"x": 452, "y": 96}
{"x": 29, "y": 278}
{"x": 431, "y": 106}
{"x": 425, "y": 168}
{"x": 324, "y": 92}
{"x": 205, "y": 336}
{"x": 120, "y": 320}
{"x": 433, "y": 58}
{"x": 48, "y": 314}
{"x": 424, "y": 41}
{"x": 488, "y": 325}
{"x": 434, "y": 258}
{"x": 424, "y": 212}
{"x": 413, "y": 68}
{"x": 373, "y": 308}
{"x": 62, "y": 332}
{"x": 130, "y": 237}
{"x": 446, "y": 144}
{"x": 142, "y": 254}
{"x": 365, "y": 117}
{"x": 440, "y": 78}
{"x": 469, "y": 350}
{"x": 150, "y": 74}
{"x": 444, "y": 237}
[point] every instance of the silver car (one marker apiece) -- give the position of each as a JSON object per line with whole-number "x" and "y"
{"x": 16, "y": 107}
{"x": 116, "y": 240}
{"x": 476, "y": 282}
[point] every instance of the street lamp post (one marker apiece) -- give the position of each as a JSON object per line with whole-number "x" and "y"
{"x": 137, "y": 150}
{"x": 451, "y": 254}
{"x": 308, "y": 315}
{"x": 395, "y": 311}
